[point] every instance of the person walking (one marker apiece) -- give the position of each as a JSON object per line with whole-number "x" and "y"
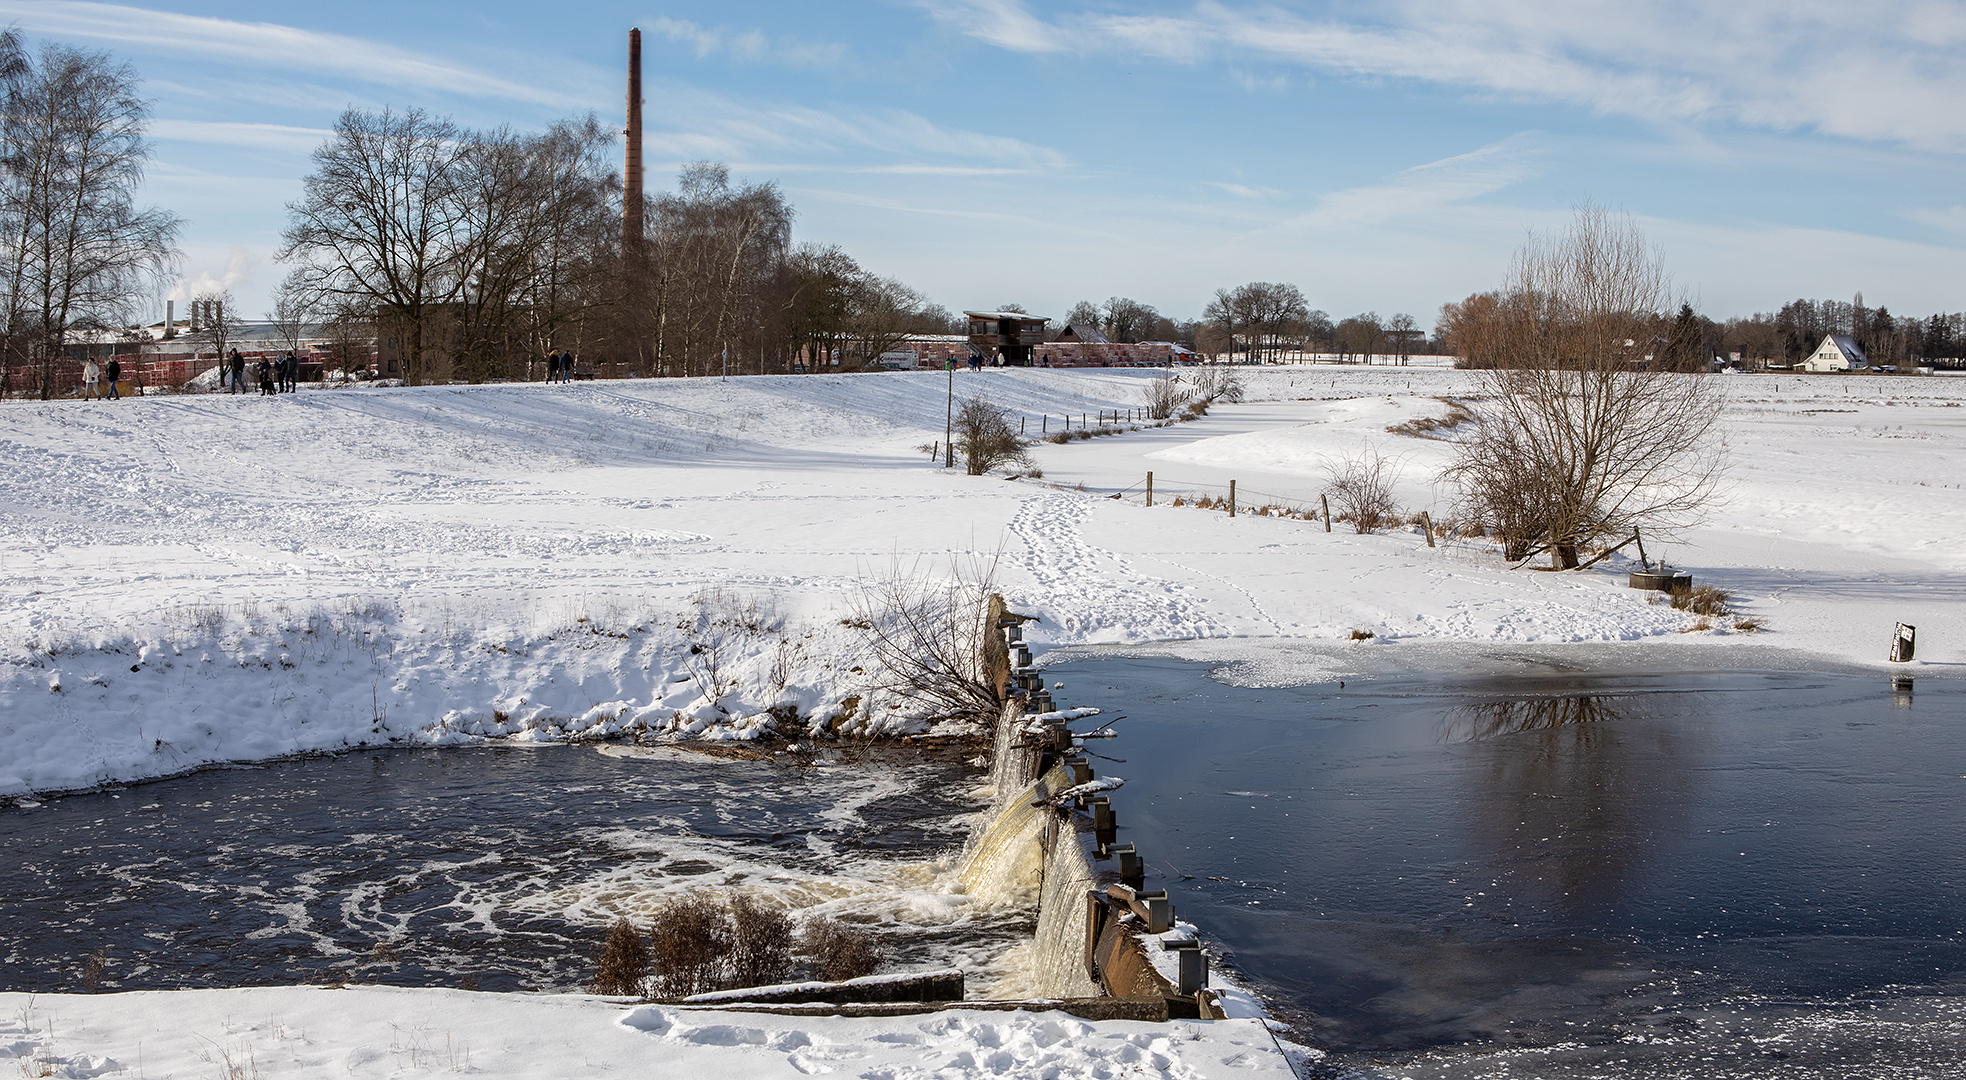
{"x": 265, "y": 372}
{"x": 238, "y": 373}
{"x": 290, "y": 373}
{"x": 115, "y": 373}
{"x": 566, "y": 366}
{"x": 91, "y": 379}
{"x": 552, "y": 367}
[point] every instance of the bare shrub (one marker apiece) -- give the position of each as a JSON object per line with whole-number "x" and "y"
{"x": 1747, "y": 625}
{"x": 986, "y": 438}
{"x": 1163, "y": 395}
{"x": 624, "y": 965}
{"x": 1362, "y": 635}
{"x": 926, "y": 634}
{"x": 839, "y": 951}
{"x": 1360, "y": 486}
{"x": 761, "y": 943}
{"x": 1584, "y": 433}
{"x": 1425, "y": 427}
{"x": 688, "y": 942}
{"x": 1216, "y": 382}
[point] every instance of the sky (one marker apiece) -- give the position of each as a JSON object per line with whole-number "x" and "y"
{"x": 1386, "y": 156}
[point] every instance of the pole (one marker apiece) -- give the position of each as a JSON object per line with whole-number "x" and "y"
{"x": 949, "y": 429}
{"x": 1232, "y": 498}
{"x": 1326, "y": 500}
{"x": 1427, "y": 523}
{"x": 1150, "y": 489}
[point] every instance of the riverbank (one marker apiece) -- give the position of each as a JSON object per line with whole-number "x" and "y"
{"x": 193, "y": 580}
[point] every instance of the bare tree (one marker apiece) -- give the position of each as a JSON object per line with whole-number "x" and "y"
{"x": 378, "y": 218}
{"x": 79, "y": 252}
{"x": 291, "y": 309}
{"x": 1581, "y": 437}
{"x": 215, "y": 320}
{"x": 1360, "y": 335}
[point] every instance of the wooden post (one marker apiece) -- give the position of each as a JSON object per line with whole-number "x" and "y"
{"x": 1020, "y": 425}
{"x": 1044, "y": 424}
{"x": 1642, "y": 560}
{"x": 1232, "y": 498}
{"x": 1326, "y": 500}
{"x": 1150, "y": 489}
{"x": 1427, "y": 523}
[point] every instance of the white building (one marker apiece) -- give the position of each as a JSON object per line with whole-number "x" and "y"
{"x": 1836, "y": 353}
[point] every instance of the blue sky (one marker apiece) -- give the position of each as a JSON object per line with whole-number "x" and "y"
{"x": 1385, "y": 156}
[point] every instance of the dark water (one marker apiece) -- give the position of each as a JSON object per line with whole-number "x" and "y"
{"x": 494, "y": 867}
{"x": 1652, "y": 870}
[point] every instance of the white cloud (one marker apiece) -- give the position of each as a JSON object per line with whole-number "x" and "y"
{"x": 206, "y": 39}
{"x": 751, "y": 46}
{"x": 1416, "y": 194}
{"x": 282, "y": 138}
{"x": 1880, "y": 71}
{"x": 240, "y": 263}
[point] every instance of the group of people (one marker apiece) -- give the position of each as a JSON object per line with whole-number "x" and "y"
{"x": 92, "y": 374}
{"x": 280, "y": 376}
{"x": 559, "y": 367}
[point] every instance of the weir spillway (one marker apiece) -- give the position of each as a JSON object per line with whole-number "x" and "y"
{"x": 1052, "y": 835}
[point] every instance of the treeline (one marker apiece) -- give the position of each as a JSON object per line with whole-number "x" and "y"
{"x": 1476, "y": 331}
{"x": 479, "y": 252}
{"x": 1261, "y": 320}
{"x": 79, "y": 253}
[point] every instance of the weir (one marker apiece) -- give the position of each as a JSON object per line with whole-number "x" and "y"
{"x": 1053, "y": 836}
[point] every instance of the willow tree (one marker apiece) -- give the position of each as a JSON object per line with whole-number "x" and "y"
{"x": 1584, "y": 434}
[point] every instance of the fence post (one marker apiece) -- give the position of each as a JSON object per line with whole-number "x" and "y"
{"x": 1150, "y": 489}
{"x": 1232, "y": 498}
{"x": 1427, "y": 523}
{"x": 1044, "y": 423}
{"x": 1020, "y": 425}
{"x": 1326, "y": 500}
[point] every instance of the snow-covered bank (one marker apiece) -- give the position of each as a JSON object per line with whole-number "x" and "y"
{"x": 200, "y": 579}
{"x": 296, "y": 1032}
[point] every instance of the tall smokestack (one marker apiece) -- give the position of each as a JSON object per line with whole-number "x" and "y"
{"x": 631, "y": 178}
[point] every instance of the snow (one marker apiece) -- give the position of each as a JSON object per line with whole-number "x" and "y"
{"x": 278, "y": 1033}
{"x": 198, "y": 579}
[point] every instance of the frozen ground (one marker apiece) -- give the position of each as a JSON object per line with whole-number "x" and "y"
{"x": 197, "y": 579}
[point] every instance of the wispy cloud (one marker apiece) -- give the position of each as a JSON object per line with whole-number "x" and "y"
{"x": 1880, "y": 71}
{"x": 1415, "y": 194}
{"x": 751, "y": 46}
{"x": 208, "y": 38}
{"x": 281, "y": 138}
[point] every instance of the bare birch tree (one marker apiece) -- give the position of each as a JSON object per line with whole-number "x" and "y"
{"x": 1582, "y": 435}
{"x": 80, "y": 253}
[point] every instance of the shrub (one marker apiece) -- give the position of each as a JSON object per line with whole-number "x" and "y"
{"x": 838, "y": 951}
{"x": 688, "y": 942}
{"x": 1361, "y": 489}
{"x": 1164, "y": 395}
{"x": 986, "y": 438}
{"x": 1747, "y": 625}
{"x": 624, "y": 966}
{"x": 761, "y": 943}
{"x": 1702, "y": 600}
{"x": 1362, "y": 635}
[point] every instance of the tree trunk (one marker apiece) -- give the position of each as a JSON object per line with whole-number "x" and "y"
{"x": 1564, "y": 557}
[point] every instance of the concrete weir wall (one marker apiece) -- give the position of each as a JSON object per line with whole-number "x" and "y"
{"x": 1054, "y": 836}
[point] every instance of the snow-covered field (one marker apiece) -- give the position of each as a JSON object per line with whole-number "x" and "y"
{"x": 193, "y": 580}
{"x": 198, "y": 579}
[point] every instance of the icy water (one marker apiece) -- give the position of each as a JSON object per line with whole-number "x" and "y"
{"x": 492, "y": 867}
{"x": 1677, "y": 874}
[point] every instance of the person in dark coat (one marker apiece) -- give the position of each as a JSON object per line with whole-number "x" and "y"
{"x": 238, "y": 373}
{"x": 552, "y": 367}
{"x": 115, "y": 372}
{"x": 290, "y": 373}
{"x": 265, "y": 372}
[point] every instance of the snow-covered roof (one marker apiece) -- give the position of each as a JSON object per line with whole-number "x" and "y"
{"x": 1005, "y": 315}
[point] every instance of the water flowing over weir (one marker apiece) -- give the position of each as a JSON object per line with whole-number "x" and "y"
{"x": 1050, "y": 835}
